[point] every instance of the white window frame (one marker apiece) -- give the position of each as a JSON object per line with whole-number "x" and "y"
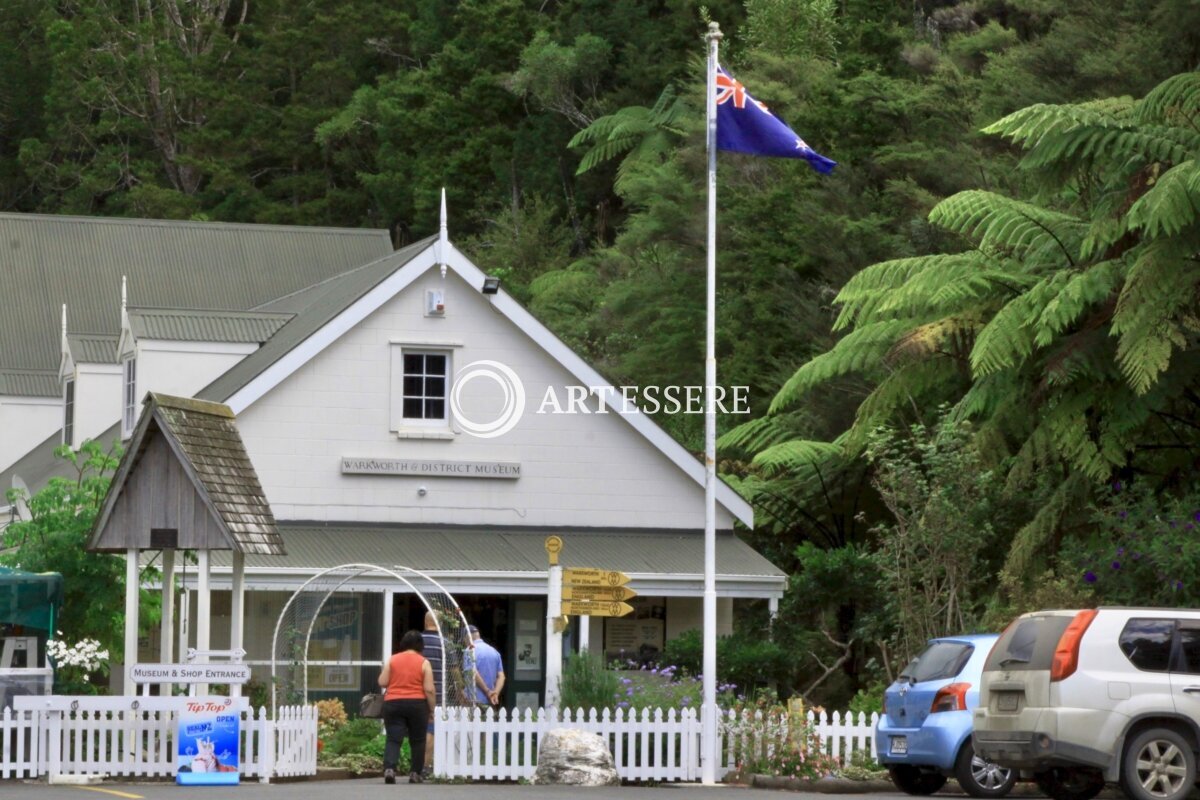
{"x": 129, "y": 395}
{"x": 68, "y": 431}
{"x": 399, "y": 422}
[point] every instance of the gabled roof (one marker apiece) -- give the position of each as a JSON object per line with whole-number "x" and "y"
{"x": 93, "y": 348}
{"x": 200, "y": 325}
{"x": 314, "y": 307}
{"x": 29, "y": 383}
{"x": 204, "y": 440}
{"x": 325, "y": 312}
{"x": 46, "y": 261}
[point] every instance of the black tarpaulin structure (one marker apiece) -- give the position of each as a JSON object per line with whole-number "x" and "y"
{"x": 30, "y": 599}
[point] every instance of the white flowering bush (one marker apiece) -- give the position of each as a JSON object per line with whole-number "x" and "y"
{"x": 75, "y": 665}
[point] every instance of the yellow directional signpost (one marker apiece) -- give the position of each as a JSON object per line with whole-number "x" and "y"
{"x": 588, "y": 608}
{"x": 590, "y": 576}
{"x": 598, "y": 593}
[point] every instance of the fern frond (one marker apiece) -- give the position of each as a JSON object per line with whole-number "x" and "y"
{"x": 1171, "y": 204}
{"x": 1030, "y": 124}
{"x": 872, "y": 287}
{"x": 1081, "y": 291}
{"x": 949, "y": 336}
{"x": 790, "y": 456}
{"x": 1009, "y": 337}
{"x": 1174, "y": 100}
{"x": 1038, "y": 536}
{"x": 860, "y": 350}
{"x": 985, "y": 396}
{"x": 904, "y": 391}
{"x": 758, "y": 434}
{"x": 1000, "y": 223}
{"x": 1160, "y": 286}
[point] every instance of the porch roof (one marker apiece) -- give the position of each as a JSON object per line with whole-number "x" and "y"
{"x": 512, "y": 560}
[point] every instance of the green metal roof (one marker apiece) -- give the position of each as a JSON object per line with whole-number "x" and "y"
{"x": 29, "y": 383}
{"x": 313, "y": 306}
{"x": 46, "y": 261}
{"x": 93, "y": 348}
{"x": 315, "y": 546}
{"x": 196, "y": 325}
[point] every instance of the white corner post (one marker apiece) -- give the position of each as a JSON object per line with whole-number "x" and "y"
{"x": 553, "y": 636}
{"x": 237, "y": 612}
{"x": 132, "y": 579}
{"x": 389, "y": 602}
{"x": 708, "y": 710}
{"x": 203, "y": 610}
{"x": 585, "y": 633}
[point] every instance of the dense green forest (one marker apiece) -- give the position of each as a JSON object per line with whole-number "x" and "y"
{"x": 972, "y": 350}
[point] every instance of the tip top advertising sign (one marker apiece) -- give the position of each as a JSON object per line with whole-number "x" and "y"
{"x": 208, "y": 740}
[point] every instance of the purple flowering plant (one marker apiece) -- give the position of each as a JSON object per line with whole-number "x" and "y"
{"x": 1140, "y": 549}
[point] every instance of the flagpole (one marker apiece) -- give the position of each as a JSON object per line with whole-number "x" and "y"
{"x": 708, "y": 711}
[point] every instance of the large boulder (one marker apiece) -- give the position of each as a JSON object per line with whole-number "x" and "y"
{"x": 575, "y": 758}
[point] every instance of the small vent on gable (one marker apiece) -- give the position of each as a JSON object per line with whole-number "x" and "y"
{"x": 164, "y": 538}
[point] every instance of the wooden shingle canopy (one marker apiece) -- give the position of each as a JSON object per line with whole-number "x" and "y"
{"x": 186, "y": 482}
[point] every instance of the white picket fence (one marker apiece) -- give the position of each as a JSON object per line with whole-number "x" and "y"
{"x": 650, "y": 745}
{"x": 135, "y": 736}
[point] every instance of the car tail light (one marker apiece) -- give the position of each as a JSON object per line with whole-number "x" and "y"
{"x": 951, "y": 697}
{"x": 885, "y": 704}
{"x": 1066, "y": 655}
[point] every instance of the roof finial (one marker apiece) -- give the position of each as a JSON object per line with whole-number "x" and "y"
{"x": 443, "y": 235}
{"x": 124, "y": 296}
{"x": 64, "y": 327}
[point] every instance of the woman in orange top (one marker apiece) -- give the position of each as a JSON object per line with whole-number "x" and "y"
{"x": 407, "y": 704}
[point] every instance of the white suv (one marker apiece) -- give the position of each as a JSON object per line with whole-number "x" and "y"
{"x": 1077, "y": 698}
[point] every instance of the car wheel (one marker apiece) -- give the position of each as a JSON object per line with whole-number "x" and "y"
{"x": 1158, "y": 764}
{"x": 980, "y": 778}
{"x": 1070, "y": 783}
{"x": 913, "y": 780}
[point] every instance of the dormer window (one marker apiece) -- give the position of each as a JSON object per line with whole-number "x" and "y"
{"x": 69, "y": 412}
{"x": 129, "y": 396}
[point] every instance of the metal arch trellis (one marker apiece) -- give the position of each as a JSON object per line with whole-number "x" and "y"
{"x": 448, "y": 618}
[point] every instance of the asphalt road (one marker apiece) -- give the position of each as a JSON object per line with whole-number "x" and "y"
{"x": 375, "y": 789}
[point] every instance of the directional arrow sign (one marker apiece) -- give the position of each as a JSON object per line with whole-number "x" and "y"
{"x": 591, "y": 609}
{"x": 595, "y": 593}
{"x": 590, "y": 576}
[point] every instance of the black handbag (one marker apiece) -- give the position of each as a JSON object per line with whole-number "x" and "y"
{"x": 371, "y": 706}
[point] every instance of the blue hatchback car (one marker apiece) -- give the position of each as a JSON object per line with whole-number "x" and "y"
{"x": 924, "y": 734}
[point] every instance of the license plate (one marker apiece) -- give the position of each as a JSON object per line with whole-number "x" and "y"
{"x": 1007, "y": 701}
{"x": 899, "y": 745}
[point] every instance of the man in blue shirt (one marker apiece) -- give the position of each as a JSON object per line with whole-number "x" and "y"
{"x": 489, "y": 671}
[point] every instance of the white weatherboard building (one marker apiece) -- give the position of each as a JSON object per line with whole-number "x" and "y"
{"x": 339, "y": 358}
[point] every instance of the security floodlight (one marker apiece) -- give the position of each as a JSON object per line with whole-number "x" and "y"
{"x": 491, "y": 285}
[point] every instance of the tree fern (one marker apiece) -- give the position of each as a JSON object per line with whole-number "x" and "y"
{"x": 859, "y": 351}
{"x": 1171, "y": 205}
{"x": 1015, "y": 228}
{"x": 1147, "y": 319}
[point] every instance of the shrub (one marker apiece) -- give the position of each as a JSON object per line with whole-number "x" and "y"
{"x": 353, "y": 737}
{"x": 331, "y": 716}
{"x": 587, "y": 683}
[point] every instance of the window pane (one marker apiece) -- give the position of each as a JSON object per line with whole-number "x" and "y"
{"x": 940, "y": 660}
{"x": 435, "y": 365}
{"x": 414, "y": 363}
{"x": 413, "y": 385}
{"x": 435, "y": 387}
{"x": 1029, "y": 644}
{"x": 1147, "y": 643}
{"x": 1189, "y": 650}
{"x": 435, "y": 409}
{"x": 412, "y": 408}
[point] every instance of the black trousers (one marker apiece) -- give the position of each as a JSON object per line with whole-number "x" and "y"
{"x": 405, "y": 718}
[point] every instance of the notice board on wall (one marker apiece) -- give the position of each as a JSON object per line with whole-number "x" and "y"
{"x": 640, "y": 635}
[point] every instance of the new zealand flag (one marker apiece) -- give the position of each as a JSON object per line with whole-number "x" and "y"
{"x": 744, "y": 125}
